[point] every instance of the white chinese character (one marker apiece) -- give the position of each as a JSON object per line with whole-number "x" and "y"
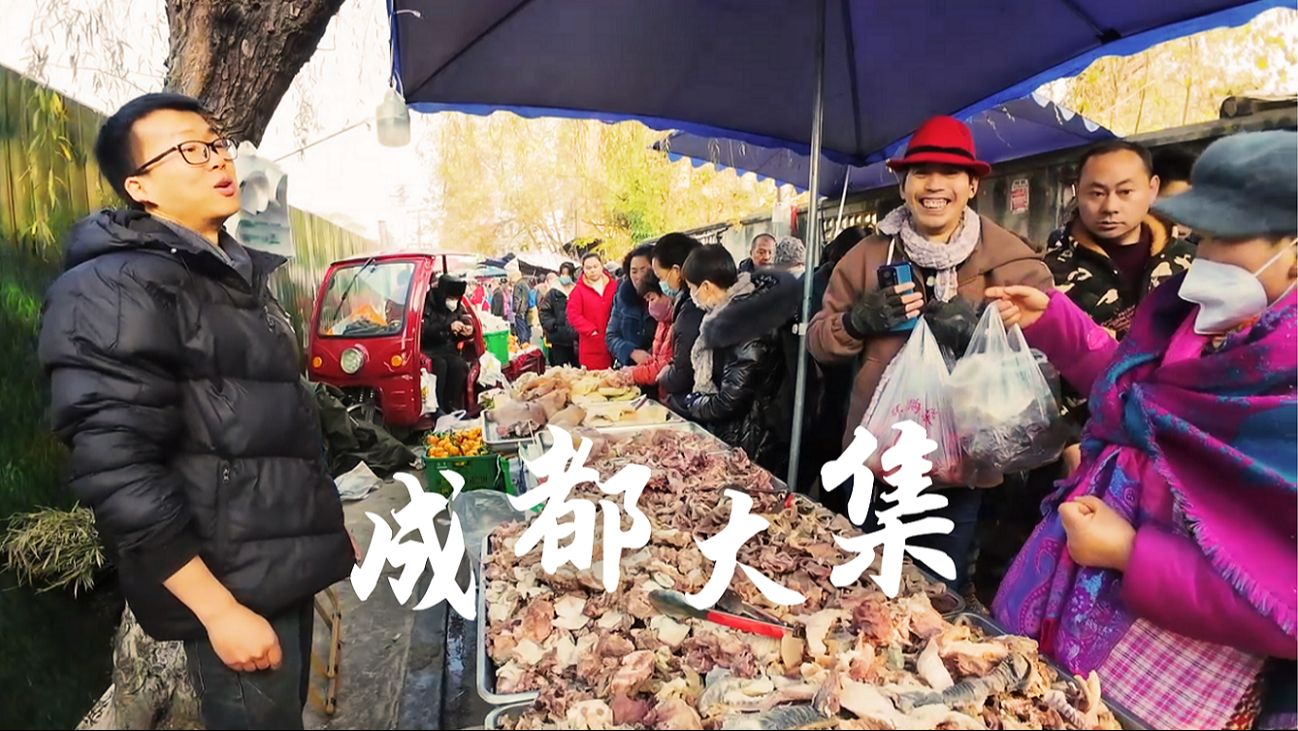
{"x": 414, "y": 555}
{"x": 561, "y": 469}
{"x": 558, "y": 479}
{"x": 723, "y": 550}
{"x": 631, "y": 481}
{"x": 910, "y": 478}
{"x": 852, "y": 464}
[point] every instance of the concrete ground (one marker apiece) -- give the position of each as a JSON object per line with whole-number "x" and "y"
{"x": 398, "y": 667}
{"x": 375, "y": 634}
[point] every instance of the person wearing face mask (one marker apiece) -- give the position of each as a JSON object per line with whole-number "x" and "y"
{"x": 670, "y": 253}
{"x": 446, "y": 324}
{"x": 630, "y": 328}
{"x": 660, "y": 307}
{"x": 738, "y": 368}
{"x": 553, "y": 312}
{"x": 1172, "y": 545}
{"x": 588, "y": 311}
{"x": 953, "y": 255}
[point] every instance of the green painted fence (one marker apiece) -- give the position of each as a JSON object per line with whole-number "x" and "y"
{"x": 55, "y": 650}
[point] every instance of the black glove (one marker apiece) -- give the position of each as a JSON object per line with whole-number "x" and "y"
{"x": 877, "y": 312}
{"x": 952, "y": 324}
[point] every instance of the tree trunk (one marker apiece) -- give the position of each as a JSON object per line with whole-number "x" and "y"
{"x": 240, "y": 56}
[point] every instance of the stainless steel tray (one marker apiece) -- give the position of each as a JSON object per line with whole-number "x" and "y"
{"x": 514, "y": 710}
{"x": 496, "y": 443}
{"x": 486, "y": 666}
{"x": 992, "y": 628}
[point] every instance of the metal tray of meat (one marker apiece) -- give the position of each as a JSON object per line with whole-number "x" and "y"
{"x": 493, "y": 719}
{"x": 486, "y": 666}
{"x": 496, "y": 443}
{"x": 992, "y": 628}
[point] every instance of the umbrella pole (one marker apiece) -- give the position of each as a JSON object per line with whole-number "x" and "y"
{"x": 813, "y": 249}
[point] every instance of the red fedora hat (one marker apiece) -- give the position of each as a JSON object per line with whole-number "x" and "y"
{"x": 942, "y": 141}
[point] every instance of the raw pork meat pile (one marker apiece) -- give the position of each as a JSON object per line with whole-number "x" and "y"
{"x": 857, "y": 661}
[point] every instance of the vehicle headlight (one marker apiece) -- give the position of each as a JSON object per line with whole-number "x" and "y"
{"x": 351, "y": 361}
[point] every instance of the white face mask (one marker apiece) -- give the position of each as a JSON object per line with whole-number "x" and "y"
{"x": 452, "y": 305}
{"x": 1227, "y": 295}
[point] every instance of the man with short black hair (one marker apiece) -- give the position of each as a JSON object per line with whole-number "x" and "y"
{"x": 175, "y": 381}
{"x": 1113, "y": 252}
{"x": 761, "y": 252}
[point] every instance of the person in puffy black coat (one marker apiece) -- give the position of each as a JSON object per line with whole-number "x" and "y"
{"x": 446, "y": 324}
{"x": 739, "y": 367}
{"x": 175, "y": 379}
{"x": 553, "y": 314}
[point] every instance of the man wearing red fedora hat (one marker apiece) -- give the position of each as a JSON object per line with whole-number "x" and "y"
{"x": 951, "y": 254}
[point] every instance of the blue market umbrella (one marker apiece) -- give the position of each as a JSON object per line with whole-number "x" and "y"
{"x": 1017, "y": 129}
{"x": 849, "y": 78}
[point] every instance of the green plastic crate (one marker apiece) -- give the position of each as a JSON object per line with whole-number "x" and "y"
{"x": 485, "y": 472}
{"x": 498, "y": 345}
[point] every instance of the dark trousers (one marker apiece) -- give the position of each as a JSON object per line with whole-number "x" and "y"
{"x": 266, "y": 699}
{"x": 452, "y": 373}
{"x": 962, "y": 508}
{"x": 564, "y": 355}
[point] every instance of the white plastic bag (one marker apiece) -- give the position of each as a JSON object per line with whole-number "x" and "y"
{"x": 490, "y": 371}
{"x": 455, "y": 420}
{"x": 1006, "y": 416}
{"x": 357, "y": 483}
{"x": 915, "y": 387}
{"x": 428, "y": 392}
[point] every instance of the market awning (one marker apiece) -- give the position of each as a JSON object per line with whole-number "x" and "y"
{"x": 745, "y": 70}
{"x": 1017, "y": 129}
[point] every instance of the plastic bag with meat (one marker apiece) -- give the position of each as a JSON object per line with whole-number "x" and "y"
{"x": 915, "y": 387}
{"x": 1006, "y": 414}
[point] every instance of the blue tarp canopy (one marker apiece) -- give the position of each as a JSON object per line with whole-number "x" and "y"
{"x": 1010, "y": 131}
{"x": 776, "y": 73}
{"x": 745, "y": 69}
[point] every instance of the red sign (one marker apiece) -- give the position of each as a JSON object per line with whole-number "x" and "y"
{"x": 1019, "y": 196}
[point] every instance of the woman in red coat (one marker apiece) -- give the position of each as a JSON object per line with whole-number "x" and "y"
{"x": 589, "y": 305}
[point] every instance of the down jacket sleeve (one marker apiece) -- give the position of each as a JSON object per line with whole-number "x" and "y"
{"x": 678, "y": 378}
{"x": 109, "y": 342}
{"x": 738, "y": 387}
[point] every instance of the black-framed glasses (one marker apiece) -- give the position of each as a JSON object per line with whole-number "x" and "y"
{"x": 196, "y": 152}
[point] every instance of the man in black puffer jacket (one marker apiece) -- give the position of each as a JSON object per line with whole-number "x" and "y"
{"x": 176, "y": 382}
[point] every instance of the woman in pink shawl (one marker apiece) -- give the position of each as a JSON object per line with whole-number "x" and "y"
{"x": 1167, "y": 563}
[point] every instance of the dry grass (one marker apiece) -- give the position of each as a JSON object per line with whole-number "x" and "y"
{"x": 54, "y": 549}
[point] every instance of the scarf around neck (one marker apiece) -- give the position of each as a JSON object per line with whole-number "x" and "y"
{"x": 700, "y": 356}
{"x": 944, "y": 257}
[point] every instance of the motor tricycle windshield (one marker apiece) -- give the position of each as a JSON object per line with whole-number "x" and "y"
{"x": 366, "y": 300}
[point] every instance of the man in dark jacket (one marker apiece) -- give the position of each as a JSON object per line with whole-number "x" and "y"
{"x": 1113, "y": 252}
{"x": 670, "y": 254}
{"x": 176, "y": 382}
{"x": 761, "y": 252}
{"x": 553, "y": 313}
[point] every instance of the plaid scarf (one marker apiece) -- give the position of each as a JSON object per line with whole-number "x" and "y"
{"x": 942, "y": 256}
